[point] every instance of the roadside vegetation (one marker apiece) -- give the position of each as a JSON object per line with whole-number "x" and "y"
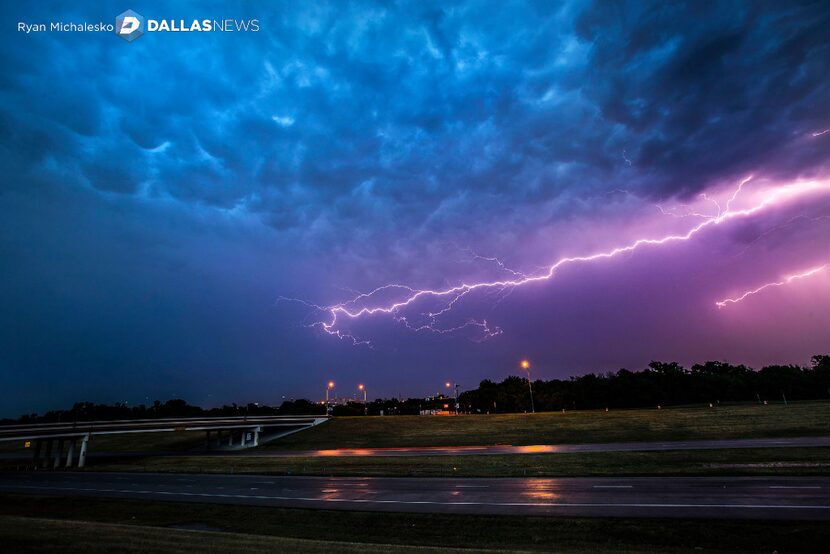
{"x": 93, "y": 525}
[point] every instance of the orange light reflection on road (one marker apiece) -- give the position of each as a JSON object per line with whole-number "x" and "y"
{"x": 540, "y": 489}
{"x": 535, "y": 449}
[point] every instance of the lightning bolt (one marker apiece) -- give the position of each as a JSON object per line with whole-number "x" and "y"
{"x": 819, "y": 133}
{"x": 378, "y": 302}
{"x": 785, "y": 281}
{"x": 500, "y": 263}
{"x": 691, "y": 213}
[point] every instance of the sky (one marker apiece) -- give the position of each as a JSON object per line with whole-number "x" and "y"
{"x": 403, "y": 194}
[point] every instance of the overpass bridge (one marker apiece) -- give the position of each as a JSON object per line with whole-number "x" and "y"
{"x": 48, "y": 439}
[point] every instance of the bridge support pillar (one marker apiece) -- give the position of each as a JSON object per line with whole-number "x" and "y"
{"x": 230, "y": 437}
{"x": 48, "y": 454}
{"x": 82, "y": 455}
{"x": 56, "y": 463}
{"x": 256, "y": 437}
{"x": 243, "y": 438}
{"x": 70, "y": 453}
{"x": 36, "y": 453}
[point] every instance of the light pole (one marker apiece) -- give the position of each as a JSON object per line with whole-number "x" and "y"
{"x": 328, "y": 388}
{"x": 365, "y": 405}
{"x": 526, "y": 366}
{"x": 448, "y": 384}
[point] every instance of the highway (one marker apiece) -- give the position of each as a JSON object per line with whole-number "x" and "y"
{"x": 805, "y": 498}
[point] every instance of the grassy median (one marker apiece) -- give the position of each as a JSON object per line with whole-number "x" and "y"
{"x": 754, "y": 461}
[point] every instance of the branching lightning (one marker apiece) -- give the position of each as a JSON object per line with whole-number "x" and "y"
{"x": 785, "y": 281}
{"x": 393, "y": 299}
{"x": 500, "y": 263}
{"x": 689, "y": 212}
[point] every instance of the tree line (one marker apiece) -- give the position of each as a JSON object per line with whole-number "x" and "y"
{"x": 660, "y": 384}
{"x": 90, "y": 411}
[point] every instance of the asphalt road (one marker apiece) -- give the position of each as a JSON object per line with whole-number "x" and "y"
{"x": 806, "y": 498}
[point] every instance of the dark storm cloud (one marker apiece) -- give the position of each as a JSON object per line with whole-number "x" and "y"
{"x": 709, "y": 90}
{"x": 335, "y": 111}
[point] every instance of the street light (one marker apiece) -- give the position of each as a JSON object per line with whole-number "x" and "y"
{"x": 526, "y": 367}
{"x": 365, "y": 405}
{"x": 448, "y": 385}
{"x": 328, "y": 388}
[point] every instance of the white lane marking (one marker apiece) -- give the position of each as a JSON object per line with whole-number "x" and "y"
{"x": 793, "y": 487}
{"x": 441, "y": 503}
{"x": 613, "y": 486}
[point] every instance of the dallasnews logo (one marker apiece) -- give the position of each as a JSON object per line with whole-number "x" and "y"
{"x": 130, "y": 25}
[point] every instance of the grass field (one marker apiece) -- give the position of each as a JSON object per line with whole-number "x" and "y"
{"x": 760, "y": 461}
{"x": 725, "y": 422}
{"x": 43, "y": 535}
{"x": 30, "y": 523}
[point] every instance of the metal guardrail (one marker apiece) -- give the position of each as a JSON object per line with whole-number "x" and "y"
{"x": 52, "y": 430}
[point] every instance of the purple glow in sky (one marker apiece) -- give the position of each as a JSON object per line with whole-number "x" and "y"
{"x": 429, "y": 308}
